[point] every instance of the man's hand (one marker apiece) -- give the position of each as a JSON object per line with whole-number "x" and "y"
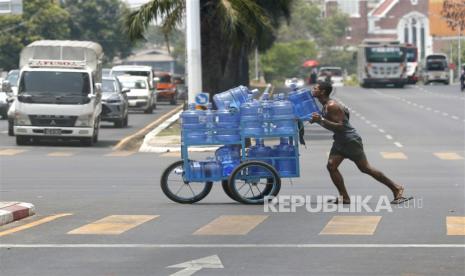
{"x": 316, "y": 118}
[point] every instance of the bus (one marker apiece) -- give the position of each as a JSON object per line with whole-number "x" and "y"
{"x": 412, "y": 63}
{"x": 382, "y": 62}
{"x": 436, "y": 69}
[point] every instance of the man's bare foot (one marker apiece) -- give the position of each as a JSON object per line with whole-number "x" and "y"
{"x": 399, "y": 193}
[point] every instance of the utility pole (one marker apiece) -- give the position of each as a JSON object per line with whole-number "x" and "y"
{"x": 193, "y": 49}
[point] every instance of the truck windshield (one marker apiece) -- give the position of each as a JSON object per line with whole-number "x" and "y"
{"x": 134, "y": 84}
{"x": 56, "y": 83}
{"x": 385, "y": 54}
{"x": 411, "y": 55}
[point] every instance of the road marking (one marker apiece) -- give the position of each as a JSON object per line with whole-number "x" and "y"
{"x": 394, "y": 155}
{"x": 399, "y": 145}
{"x": 10, "y": 152}
{"x": 112, "y": 225}
{"x": 61, "y": 153}
{"x": 381, "y": 130}
{"x": 120, "y": 153}
{"x": 389, "y": 137}
{"x": 436, "y": 111}
{"x": 231, "y": 225}
{"x": 455, "y": 117}
{"x": 190, "y": 267}
{"x": 32, "y": 224}
{"x": 455, "y": 226}
{"x": 448, "y": 156}
{"x": 171, "y": 154}
{"x": 445, "y": 114}
{"x": 351, "y": 225}
{"x": 374, "y": 125}
{"x": 241, "y": 245}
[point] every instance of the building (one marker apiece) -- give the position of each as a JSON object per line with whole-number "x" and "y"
{"x": 14, "y": 7}
{"x": 416, "y": 22}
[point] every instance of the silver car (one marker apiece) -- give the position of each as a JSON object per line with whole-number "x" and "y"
{"x": 114, "y": 102}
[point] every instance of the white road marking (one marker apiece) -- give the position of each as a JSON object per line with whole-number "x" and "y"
{"x": 368, "y": 122}
{"x": 389, "y": 137}
{"x": 243, "y": 245}
{"x": 455, "y": 117}
{"x": 190, "y": 267}
{"x": 436, "y": 111}
{"x": 399, "y": 145}
{"x": 374, "y": 125}
{"x": 445, "y": 114}
{"x": 381, "y": 130}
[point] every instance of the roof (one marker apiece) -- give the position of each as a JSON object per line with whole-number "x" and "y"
{"x": 383, "y": 7}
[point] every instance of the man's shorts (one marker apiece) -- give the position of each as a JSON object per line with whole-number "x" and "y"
{"x": 352, "y": 150}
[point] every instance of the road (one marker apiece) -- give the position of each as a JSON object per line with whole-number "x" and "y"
{"x": 104, "y": 214}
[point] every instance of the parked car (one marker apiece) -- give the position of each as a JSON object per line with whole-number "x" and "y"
{"x": 140, "y": 96}
{"x": 299, "y": 83}
{"x": 12, "y": 78}
{"x": 166, "y": 88}
{"x": 4, "y": 105}
{"x": 114, "y": 102}
{"x": 334, "y": 73}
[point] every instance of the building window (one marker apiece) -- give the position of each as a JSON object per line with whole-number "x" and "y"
{"x": 350, "y": 7}
{"x": 422, "y": 41}
{"x": 406, "y": 34}
{"x": 414, "y": 31}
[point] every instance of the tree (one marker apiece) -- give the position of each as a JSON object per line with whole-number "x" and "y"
{"x": 454, "y": 11}
{"x": 230, "y": 29}
{"x": 100, "y": 21}
{"x": 285, "y": 59}
{"x": 41, "y": 19}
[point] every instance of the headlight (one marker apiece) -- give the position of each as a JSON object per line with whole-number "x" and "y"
{"x": 113, "y": 99}
{"x": 85, "y": 120}
{"x": 21, "y": 119}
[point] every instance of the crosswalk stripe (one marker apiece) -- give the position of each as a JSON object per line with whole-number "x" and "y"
{"x": 455, "y": 226}
{"x": 448, "y": 156}
{"x": 351, "y": 225}
{"x": 61, "y": 153}
{"x": 231, "y": 225}
{"x": 112, "y": 225}
{"x": 393, "y": 155}
{"x": 32, "y": 224}
{"x": 10, "y": 152}
{"x": 120, "y": 153}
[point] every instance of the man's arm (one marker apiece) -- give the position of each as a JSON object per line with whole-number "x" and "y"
{"x": 334, "y": 117}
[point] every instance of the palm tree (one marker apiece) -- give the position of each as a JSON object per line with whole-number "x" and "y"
{"x": 230, "y": 29}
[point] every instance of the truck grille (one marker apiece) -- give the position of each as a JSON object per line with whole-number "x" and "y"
{"x": 53, "y": 120}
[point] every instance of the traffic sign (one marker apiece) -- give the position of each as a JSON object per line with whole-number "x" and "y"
{"x": 202, "y": 98}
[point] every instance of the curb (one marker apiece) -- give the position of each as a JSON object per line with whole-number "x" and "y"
{"x": 126, "y": 141}
{"x": 12, "y": 211}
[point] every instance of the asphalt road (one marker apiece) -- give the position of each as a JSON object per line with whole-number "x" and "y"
{"x": 414, "y": 135}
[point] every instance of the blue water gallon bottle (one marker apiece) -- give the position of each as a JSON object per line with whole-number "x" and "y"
{"x": 262, "y": 152}
{"x": 266, "y": 103}
{"x": 235, "y": 96}
{"x": 229, "y": 157}
{"x": 282, "y": 116}
{"x": 211, "y": 169}
{"x": 304, "y": 103}
{"x": 193, "y": 124}
{"x": 210, "y": 123}
{"x": 227, "y": 125}
{"x": 251, "y": 117}
{"x": 196, "y": 170}
{"x": 286, "y": 166}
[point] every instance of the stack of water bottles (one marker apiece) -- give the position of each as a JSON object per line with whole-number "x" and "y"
{"x": 238, "y": 113}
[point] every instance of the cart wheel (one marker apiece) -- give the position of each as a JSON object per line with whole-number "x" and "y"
{"x": 180, "y": 191}
{"x": 225, "y": 185}
{"x": 266, "y": 190}
{"x": 251, "y": 189}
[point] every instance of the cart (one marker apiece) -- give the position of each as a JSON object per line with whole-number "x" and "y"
{"x": 250, "y": 182}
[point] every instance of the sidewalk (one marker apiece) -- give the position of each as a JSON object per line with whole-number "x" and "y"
{"x": 11, "y": 211}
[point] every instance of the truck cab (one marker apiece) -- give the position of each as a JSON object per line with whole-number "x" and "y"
{"x": 59, "y": 92}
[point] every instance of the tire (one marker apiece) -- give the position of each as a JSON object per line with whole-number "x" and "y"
{"x": 22, "y": 140}
{"x": 174, "y": 100}
{"x": 165, "y": 186}
{"x": 236, "y": 182}
{"x": 225, "y": 185}
{"x": 11, "y": 131}
{"x": 149, "y": 110}
{"x": 87, "y": 141}
{"x": 126, "y": 121}
{"x": 119, "y": 123}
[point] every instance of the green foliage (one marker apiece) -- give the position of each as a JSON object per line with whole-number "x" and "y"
{"x": 41, "y": 19}
{"x": 284, "y": 59}
{"x": 100, "y": 21}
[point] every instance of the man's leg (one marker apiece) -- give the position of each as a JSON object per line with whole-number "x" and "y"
{"x": 333, "y": 163}
{"x": 365, "y": 167}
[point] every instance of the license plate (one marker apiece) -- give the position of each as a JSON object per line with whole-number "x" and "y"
{"x": 52, "y": 131}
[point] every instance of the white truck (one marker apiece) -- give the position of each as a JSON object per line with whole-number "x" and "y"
{"x": 59, "y": 91}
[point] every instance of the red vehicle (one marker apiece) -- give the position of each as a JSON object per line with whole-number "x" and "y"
{"x": 166, "y": 88}
{"x": 412, "y": 64}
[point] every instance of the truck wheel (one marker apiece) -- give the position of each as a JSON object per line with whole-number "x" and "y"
{"x": 126, "y": 121}
{"x": 119, "y": 123}
{"x": 22, "y": 140}
{"x": 11, "y": 131}
{"x": 87, "y": 141}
